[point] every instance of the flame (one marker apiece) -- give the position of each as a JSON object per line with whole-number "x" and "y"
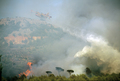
{"x": 29, "y": 64}
{"x": 26, "y": 73}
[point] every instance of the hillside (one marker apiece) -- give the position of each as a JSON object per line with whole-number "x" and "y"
{"x": 25, "y": 40}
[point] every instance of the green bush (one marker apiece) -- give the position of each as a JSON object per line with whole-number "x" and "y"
{"x": 52, "y": 77}
{"x": 3, "y": 79}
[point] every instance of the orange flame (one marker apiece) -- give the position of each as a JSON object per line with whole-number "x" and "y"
{"x": 28, "y": 71}
{"x": 29, "y": 64}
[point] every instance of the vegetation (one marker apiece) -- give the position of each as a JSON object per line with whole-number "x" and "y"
{"x": 88, "y": 72}
{"x": 70, "y": 71}
{"x": 59, "y": 69}
{"x": 52, "y": 77}
{"x": 0, "y": 69}
{"x": 48, "y": 72}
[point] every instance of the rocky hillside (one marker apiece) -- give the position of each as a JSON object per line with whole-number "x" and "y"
{"x": 25, "y": 40}
{"x": 24, "y": 30}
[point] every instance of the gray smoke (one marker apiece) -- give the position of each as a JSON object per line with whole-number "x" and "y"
{"x": 60, "y": 54}
{"x": 99, "y": 17}
{"x": 98, "y": 20}
{"x": 95, "y": 25}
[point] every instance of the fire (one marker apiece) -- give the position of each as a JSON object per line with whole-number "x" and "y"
{"x": 29, "y": 64}
{"x": 26, "y": 73}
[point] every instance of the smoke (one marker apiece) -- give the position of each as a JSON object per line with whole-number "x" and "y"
{"x": 60, "y": 54}
{"x": 101, "y": 19}
{"x": 99, "y": 56}
{"x": 95, "y": 25}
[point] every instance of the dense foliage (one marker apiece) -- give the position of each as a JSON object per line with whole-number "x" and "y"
{"x": 0, "y": 69}
{"x": 51, "y": 77}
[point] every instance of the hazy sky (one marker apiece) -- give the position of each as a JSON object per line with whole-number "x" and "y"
{"x": 22, "y": 8}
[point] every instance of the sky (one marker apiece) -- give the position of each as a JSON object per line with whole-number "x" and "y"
{"x": 94, "y": 21}
{"x": 22, "y": 8}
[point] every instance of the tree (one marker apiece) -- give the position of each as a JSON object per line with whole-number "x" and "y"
{"x": 52, "y": 75}
{"x": 70, "y": 71}
{"x": 88, "y": 72}
{"x": 59, "y": 69}
{"x": 48, "y": 72}
{"x": 15, "y": 78}
{"x": 22, "y": 77}
{"x": 0, "y": 69}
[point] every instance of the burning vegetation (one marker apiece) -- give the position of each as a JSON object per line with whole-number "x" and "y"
{"x": 52, "y": 77}
{"x": 26, "y": 73}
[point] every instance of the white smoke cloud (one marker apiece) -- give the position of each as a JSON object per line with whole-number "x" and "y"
{"x": 60, "y": 54}
{"x": 100, "y": 51}
{"x": 101, "y": 17}
{"x": 97, "y": 23}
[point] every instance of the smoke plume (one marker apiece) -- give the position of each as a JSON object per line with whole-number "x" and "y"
{"x": 95, "y": 27}
{"x": 97, "y": 24}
